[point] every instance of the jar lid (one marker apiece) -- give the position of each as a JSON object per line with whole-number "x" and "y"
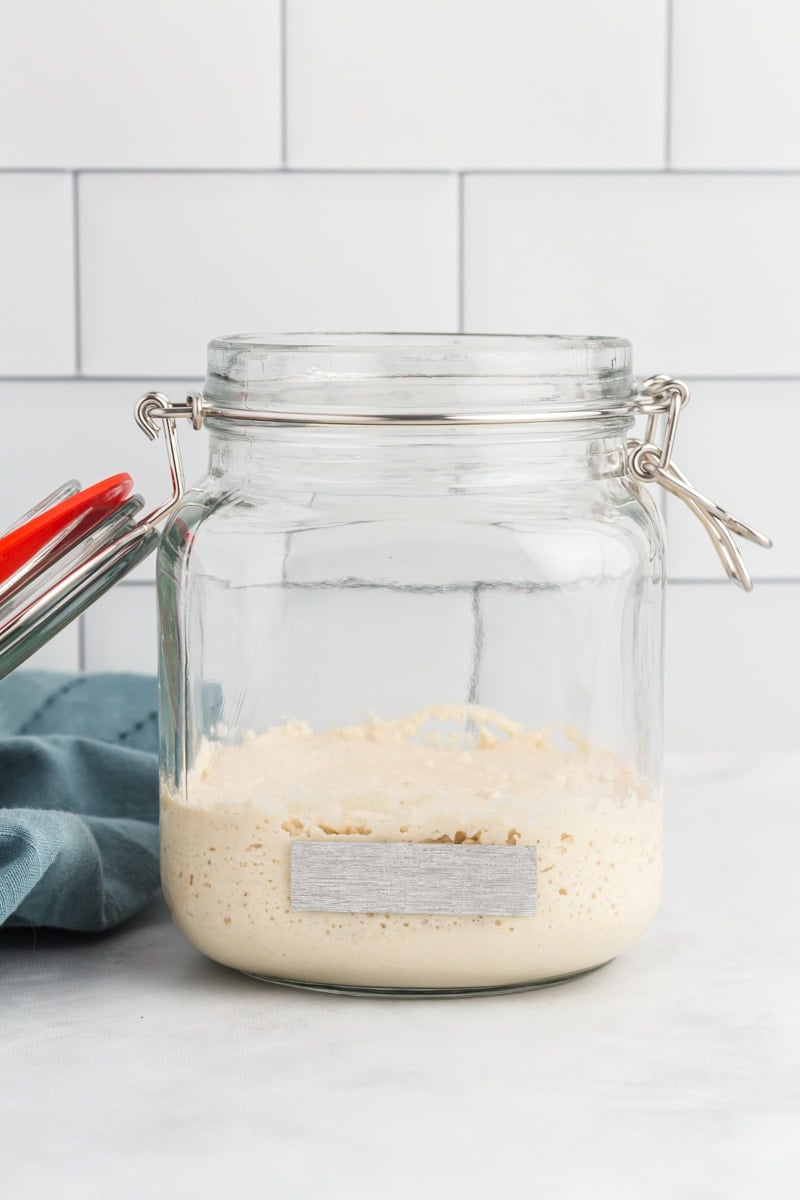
{"x": 62, "y": 522}
{"x": 61, "y": 556}
{"x": 391, "y": 375}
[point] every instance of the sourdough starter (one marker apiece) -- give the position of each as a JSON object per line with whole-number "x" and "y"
{"x": 225, "y": 846}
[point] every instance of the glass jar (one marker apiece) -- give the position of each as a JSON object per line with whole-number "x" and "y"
{"x": 411, "y": 652}
{"x": 411, "y": 658}
{"x": 411, "y": 665}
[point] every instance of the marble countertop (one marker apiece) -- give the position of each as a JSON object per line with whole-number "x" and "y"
{"x": 132, "y": 1067}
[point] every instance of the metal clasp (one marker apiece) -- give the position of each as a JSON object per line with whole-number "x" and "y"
{"x": 153, "y": 407}
{"x": 660, "y": 398}
{"x": 650, "y": 461}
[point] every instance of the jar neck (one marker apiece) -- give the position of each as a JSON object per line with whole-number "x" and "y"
{"x": 348, "y": 460}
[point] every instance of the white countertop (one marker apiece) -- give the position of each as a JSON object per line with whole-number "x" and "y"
{"x": 132, "y": 1067}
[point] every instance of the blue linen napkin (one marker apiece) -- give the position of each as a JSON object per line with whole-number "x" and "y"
{"x": 78, "y": 799}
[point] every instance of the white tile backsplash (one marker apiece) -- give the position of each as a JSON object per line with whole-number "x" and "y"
{"x": 733, "y": 661}
{"x": 736, "y": 89}
{"x": 700, "y": 272}
{"x": 111, "y": 441}
{"x": 170, "y": 261}
{"x": 122, "y": 630}
{"x": 37, "y": 319}
{"x": 495, "y": 164}
{"x": 460, "y": 83}
{"x": 738, "y": 443}
{"x": 61, "y": 653}
{"x": 101, "y": 83}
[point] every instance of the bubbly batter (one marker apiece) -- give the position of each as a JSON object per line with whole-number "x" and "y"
{"x": 480, "y": 779}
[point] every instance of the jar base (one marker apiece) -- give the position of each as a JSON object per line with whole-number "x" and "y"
{"x": 399, "y": 993}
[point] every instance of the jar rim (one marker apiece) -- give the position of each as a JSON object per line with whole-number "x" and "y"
{"x": 404, "y": 372}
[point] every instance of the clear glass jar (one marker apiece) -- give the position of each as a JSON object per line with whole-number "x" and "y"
{"x": 428, "y": 630}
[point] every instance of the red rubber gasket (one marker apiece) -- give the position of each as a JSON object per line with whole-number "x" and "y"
{"x": 87, "y": 508}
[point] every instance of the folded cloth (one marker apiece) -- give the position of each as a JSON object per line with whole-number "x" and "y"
{"x": 78, "y": 799}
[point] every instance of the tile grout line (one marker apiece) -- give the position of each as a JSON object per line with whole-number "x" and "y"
{"x": 668, "y": 86}
{"x": 693, "y": 378}
{"x": 76, "y": 272}
{"x": 723, "y": 581}
{"x": 672, "y": 580}
{"x": 477, "y": 646}
{"x": 284, "y": 132}
{"x": 460, "y": 248}
{"x": 145, "y": 377}
{"x": 610, "y": 172}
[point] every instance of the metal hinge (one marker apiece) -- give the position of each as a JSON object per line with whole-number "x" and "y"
{"x": 650, "y": 461}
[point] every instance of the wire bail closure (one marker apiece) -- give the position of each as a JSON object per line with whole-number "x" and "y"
{"x": 649, "y": 460}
